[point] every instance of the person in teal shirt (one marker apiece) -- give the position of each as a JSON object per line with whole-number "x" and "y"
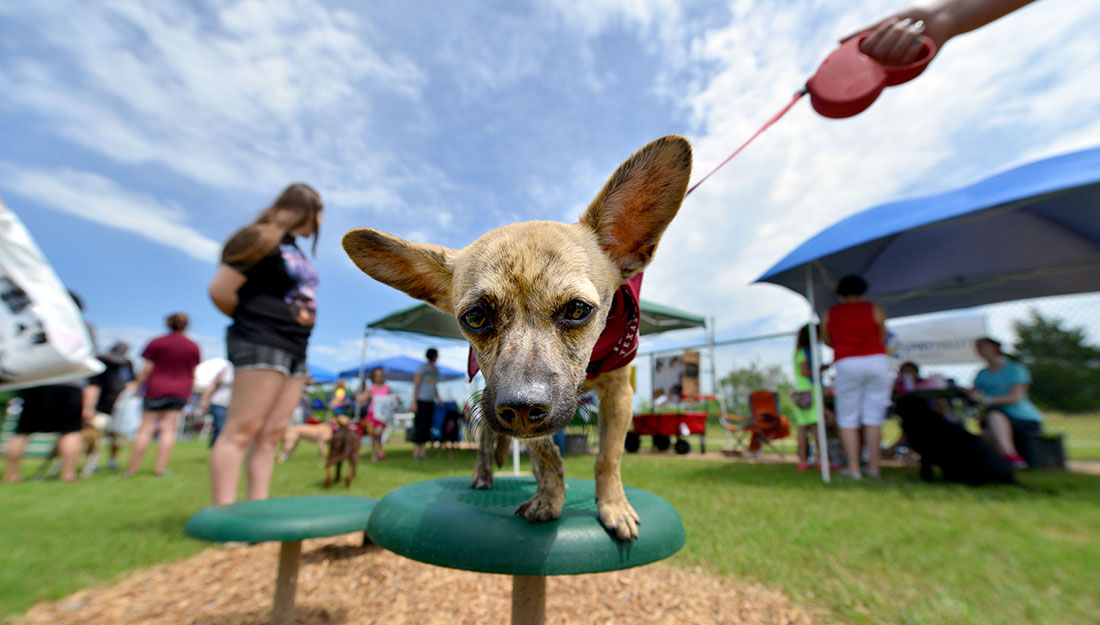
{"x": 1002, "y": 387}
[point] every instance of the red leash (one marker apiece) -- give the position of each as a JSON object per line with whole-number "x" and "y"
{"x": 781, "y": 113}
{"x": 847, "y": 82}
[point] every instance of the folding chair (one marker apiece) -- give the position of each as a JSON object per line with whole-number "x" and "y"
{"x": 757, "y": 431}
{"x": 738, "y": 433}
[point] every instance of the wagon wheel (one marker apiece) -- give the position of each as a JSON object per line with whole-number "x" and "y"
{"x": 661, "y": 442}
{"x": 633, "y": 442}
{"x": 682, "y": 446}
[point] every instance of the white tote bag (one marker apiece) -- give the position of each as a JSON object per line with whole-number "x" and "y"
{"x": 43, "y": 338}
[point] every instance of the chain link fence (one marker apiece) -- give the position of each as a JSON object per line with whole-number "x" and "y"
{"x": 1058, "y": 339}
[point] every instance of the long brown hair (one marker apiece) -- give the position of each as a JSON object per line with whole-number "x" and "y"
{"x": 296, "y": 206}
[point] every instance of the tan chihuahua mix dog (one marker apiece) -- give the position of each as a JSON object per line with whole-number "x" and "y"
{"x": 532, "y": 298}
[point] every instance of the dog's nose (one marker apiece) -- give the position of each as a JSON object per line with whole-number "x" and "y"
{"x": 524, "y": 407}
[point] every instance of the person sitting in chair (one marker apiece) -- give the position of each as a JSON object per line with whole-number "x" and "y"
{"x": 1001, "y": 388}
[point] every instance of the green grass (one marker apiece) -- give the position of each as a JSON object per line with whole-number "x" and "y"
{"x": 894, "y": 551}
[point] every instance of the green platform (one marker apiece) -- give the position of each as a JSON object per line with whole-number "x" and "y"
{"x": 445, "y": 522}
{"x": 283, "y": 519}
{"x": 288, "y": 520}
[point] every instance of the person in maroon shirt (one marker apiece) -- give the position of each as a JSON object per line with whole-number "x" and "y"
{"x": 168, "y": 375}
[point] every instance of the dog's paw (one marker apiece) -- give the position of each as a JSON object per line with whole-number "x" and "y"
{"x": 482, "y": 479}
{"x": 620, "y": 519}
{"x": 541, "y": 508}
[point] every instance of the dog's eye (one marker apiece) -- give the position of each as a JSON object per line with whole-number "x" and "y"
{"x": 475, "y": 319}
{"x": 577, "y": 310}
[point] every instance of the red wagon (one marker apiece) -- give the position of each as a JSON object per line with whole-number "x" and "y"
{"x": 666, "y": 426}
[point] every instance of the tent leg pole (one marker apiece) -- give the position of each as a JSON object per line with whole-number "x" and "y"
{"x": 815, "y": 372}
{"x": 362, "y": 371}
{"x": 716, "y": 387}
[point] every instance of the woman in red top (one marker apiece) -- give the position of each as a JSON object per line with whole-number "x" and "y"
{"x": 856, "y": 330}
{"x": 168, "y": 375}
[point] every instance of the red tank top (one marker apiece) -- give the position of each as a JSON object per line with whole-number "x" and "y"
{"x": 854, "y": 331}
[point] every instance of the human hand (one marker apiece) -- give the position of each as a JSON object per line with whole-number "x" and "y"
{"x": 896, "y": 40}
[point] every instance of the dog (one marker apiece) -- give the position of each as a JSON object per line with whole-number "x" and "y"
{"x": 533, "y": 299}
{"x": 90, "y": 435}
{"x": 343, "y": 446}
{"x": 961, "y": 456}
{"x": 318, "y": 433}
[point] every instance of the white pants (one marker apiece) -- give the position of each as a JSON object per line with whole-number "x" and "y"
{"x": 863, "y": 385}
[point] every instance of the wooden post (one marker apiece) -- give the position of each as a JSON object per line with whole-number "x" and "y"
{"x": 528, "y": 600}
{"x": 286, "y": 584}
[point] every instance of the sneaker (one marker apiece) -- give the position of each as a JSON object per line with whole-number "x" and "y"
{"x": 1017, "y": 462}
{"x": 803, "y": 466}
{"x": 112, "y": 464}
{"x": 851, "y": 475}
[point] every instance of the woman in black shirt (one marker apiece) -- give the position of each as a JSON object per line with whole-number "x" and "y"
{"x": 268, "y": 286}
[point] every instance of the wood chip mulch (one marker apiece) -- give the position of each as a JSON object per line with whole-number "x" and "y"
{"x": 341, "y": 582}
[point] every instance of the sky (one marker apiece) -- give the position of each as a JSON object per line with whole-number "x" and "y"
{"x": 136, "y": 137}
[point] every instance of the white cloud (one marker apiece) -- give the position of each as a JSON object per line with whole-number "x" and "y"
{"x": 246, "y": 95}
{"x": 100, "y": 200}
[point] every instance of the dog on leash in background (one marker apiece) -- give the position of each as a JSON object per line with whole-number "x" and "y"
{"x": 961, "y": 456}
{"x": 344, "y": 445}
{"x": 90, "y": 435}
{"x": 533, "y": 298}
{"x": 319, "y": 434}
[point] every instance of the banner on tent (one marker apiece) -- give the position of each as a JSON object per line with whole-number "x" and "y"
{"x": 947, "y": 341}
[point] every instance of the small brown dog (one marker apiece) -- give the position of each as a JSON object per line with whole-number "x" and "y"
{"x": 90, "y": 435}
{"x": 343, "y": 446}
{"x": 533, "y": 298}
{"x": 318, "y": 433}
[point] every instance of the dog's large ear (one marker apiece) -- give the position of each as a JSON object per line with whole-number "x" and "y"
{"x": 419, "y": 269}
{"x": 639, "y": 200}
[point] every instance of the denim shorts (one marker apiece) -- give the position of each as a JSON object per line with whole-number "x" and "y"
{"x": 246, "y": 355}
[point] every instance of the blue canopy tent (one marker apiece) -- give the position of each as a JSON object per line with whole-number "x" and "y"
{"x": 320, "y": 375}
{"x": 401, "y": 369}
{"x": 1029, "y": 232}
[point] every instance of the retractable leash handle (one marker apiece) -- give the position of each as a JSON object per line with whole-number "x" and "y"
{"x": 849, "y": 81}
